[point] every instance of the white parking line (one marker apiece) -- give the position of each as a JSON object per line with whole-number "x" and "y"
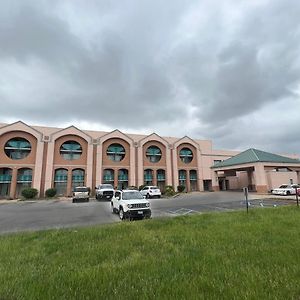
{"x": 182, "y": 211}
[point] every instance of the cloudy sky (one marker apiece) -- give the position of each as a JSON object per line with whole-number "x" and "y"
{"x": 222, "y": 70}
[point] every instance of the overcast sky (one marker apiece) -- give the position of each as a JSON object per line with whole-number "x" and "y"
{"x": 228, "y": 71}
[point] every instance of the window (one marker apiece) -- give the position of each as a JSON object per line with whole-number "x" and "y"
{"x": 17, "y": 148}
{"x": 186, "y": 155}
{"x": 161, "y": 175}
{"x": 60, "y": 181}
{"x": 77, "y": 178}
{"x": 71, "y": 150}
{"x": 24, "y": 179}
{"x": 115, "y": 152}
{"x": 153, "y": 154}
{"x": 193, "y": 175}
{"x": 122, "y": 179}
{"x": 216, "y": 161}
{"x": 108, "y": 176}
{"x": 182, "y": 177}
{"x": 5, "y": 181}
{"x": 148, "y": 177}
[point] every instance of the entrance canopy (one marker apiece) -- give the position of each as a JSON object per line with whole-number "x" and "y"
{"x": 264, "y": 171}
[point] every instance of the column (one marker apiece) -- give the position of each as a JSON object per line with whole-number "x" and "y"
{"x": 69, "y": 183}
{"x": 13, "y": 186}
{"x": 260, "y": 179}
{"x": 215, "y": 182}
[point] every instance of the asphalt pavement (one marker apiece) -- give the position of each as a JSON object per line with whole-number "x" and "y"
{"x": 47, "y": 214}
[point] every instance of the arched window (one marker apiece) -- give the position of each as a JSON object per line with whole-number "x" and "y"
{"x": 193, "y": 180}
{"x": 153, "y": 153}
{"x": 182, "y": 177}
{"x": 115, "y": 152}
{"x": 186, "y": 155}
{"x": 71, "y": 150}
{"x": 24, "y": 179}
{"x": 24, "y": 175}
{"x": 77, "y": 178}
{"x": 161, "y": 178}
{"x": 122, "y": 179}
{"x": 108, "y": 176}
{"x": 193, "y": 175}
{"x": 148, "y": 177}
{"x": 5, "y": 181}
{"x": 60, "y": 181}
{"x": 161, "y": 175}
{"x": 17, "y": 148}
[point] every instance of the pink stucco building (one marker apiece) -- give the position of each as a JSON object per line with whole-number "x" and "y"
{"x": 45, "y": 157}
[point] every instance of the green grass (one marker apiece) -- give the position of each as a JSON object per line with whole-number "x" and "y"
{"x": 210, "y": 256}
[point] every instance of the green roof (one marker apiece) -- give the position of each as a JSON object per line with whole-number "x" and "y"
{"x": 253, "y": 156}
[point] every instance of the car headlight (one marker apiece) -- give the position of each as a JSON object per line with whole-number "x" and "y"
{"x": 129, "y": 205}
{"x": 147, "y": 204}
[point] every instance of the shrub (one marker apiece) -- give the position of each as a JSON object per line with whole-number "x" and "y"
{"x": 180, "y": 188}
{"x": 50, "y": 192}
{"x": 142, "y": 186}
{"x": 29, "y": 193}
{"x": 169, "y": 191}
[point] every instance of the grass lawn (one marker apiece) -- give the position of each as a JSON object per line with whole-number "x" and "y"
{"x": 210, "y": 256}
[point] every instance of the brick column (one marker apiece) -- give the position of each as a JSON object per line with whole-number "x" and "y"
{"x": 69, "y": 183}
{"x": 154, "y": 172}
{"x": 13, "y": 185}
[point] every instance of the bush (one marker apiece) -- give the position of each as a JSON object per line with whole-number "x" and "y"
{"x": 180, "y": 188}
{"x": 50, "y": 192}
{"x": 169, "y": 191}
{"x": 29, "y": 193}
{"x": 142, "y": 186}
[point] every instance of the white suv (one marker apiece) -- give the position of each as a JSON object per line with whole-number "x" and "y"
{"x": 151, "y": 191}
{"x": 81, "y": 194}
{"x": 130, "y": 204}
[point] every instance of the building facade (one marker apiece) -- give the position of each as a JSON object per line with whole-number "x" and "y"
{"x": 47, "y": 157}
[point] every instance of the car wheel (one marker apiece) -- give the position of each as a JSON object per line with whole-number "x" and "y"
{"x": 287, "y": 193}
{"x": 147, "y": 196}
{"x": 112, "y": 208}
{"x": 97, "y": 197}
{"x": 121, "y": 213}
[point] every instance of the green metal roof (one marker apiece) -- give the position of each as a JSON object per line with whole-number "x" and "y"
{"x": 253, "y": 156}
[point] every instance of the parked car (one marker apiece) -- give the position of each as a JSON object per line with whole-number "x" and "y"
{"x": 151, "y": 191}
{"x": 287, "y": 189}
{"x": 130, "y": 204}
{"x": 81, "y": 194}
{"x": 104, "y": 191}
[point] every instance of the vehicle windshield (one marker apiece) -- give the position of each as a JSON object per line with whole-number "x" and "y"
{"x": 284, "y": 186}
{"x": 132, "y": 195}
{"x": 81, "y": 189}
{"x": 106, "y": 186}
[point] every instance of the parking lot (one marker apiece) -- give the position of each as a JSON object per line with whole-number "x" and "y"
{"x": 46, "y": 214}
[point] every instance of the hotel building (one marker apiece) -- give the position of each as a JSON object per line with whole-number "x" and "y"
{"x": 46, "y": 157}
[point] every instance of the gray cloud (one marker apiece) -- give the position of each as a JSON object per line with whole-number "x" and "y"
{"x": 203, "y": 69}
